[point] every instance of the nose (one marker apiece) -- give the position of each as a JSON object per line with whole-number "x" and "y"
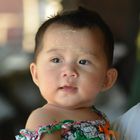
{"x": 69, "y": 72}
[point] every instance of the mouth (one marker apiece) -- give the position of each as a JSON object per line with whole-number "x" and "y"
{"x": 69, "y": 89}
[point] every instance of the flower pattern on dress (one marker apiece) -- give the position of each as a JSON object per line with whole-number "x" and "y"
{"x": 73, "y": 130}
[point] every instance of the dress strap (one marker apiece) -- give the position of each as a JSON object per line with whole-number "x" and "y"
{"x": 110, "y": 134}
{"x": 101, "y": 114}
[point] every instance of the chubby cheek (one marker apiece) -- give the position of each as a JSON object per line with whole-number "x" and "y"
{"x": 46, "y": 78}
{"x": 50, "y": 77}
{"x": 92, "y": 84}
{"x": 48, "y": 84}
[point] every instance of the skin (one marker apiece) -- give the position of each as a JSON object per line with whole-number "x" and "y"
{"x": 70, "y": 71}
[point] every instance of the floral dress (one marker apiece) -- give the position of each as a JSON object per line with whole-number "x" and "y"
{"x": 73, "y": 130}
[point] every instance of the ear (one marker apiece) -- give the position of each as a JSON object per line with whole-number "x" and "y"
{"x": 110, "y": 79}
{"x": 33, "y": 70}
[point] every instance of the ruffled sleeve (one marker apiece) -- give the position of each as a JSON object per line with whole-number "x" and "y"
{"x": 26, "y": 134}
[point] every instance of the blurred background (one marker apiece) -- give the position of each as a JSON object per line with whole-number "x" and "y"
{"x": 19, "y": 21}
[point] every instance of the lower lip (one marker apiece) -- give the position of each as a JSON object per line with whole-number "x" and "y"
{"x": 69, "y": 89}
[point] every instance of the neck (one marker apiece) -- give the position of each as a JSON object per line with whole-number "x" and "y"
{"x": 85, "y": 108}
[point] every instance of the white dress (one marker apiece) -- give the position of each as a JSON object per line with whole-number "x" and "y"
{"x": 128, "y": 125}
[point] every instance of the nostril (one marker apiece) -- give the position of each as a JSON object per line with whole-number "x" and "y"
{"x": 68, "y": 75}
{"x": 74, "y": 75}
{"x": 64, "y": 74}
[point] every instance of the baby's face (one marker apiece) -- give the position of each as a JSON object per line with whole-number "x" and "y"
{"x": 71, "y": 68}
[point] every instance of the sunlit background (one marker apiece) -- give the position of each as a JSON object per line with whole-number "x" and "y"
{"x": 19, "y": 21}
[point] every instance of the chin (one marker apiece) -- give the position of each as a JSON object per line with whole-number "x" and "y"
{"x": 74, "y": 106}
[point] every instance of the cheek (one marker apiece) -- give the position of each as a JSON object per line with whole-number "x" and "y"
{"x": 46, "y": 76}
{"x": 47, "y": 82}
{"x": 50, "y": 76}
{"x": 93, "y": 81}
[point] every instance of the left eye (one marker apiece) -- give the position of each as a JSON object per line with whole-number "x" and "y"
{"x": 84, "y": 62}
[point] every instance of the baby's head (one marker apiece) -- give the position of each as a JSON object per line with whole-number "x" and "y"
{"x": 78, "y": 19}
{"x": 73, "y": 58}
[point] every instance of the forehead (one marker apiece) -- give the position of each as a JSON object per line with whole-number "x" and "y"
{"x": 61, "y": 29}
{"x": 59, "y": 35}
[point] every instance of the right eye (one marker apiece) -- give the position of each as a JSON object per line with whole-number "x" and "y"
{"x": 84, "y": 62}
{"x": 55, "y": 60}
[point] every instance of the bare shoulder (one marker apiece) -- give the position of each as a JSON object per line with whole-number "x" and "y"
{"x": 40, "y": 117}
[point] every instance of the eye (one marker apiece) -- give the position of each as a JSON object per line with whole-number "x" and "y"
{"x": 84, "y": 62}
{"x": 55, "y": 60}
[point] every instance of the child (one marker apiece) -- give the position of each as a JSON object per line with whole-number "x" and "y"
{"x": 72, "y": 65}
{"x": 128, "y": 125}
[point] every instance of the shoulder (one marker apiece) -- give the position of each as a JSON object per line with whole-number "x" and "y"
{"x": 37, "y": 126}
{"x": 39, "y": 117}
{"x": 128, "y": 124}
{"x": 132, "y": 114}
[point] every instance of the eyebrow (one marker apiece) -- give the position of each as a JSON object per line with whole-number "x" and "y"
{"x": 54, "y": 50}
{"x": 88, "y": 52}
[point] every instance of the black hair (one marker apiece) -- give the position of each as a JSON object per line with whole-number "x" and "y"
{"x": 80, "y": 18}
